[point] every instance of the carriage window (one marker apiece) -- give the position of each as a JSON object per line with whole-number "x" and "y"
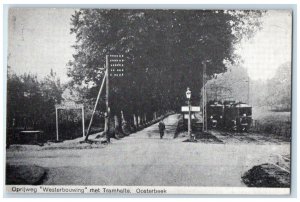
{"x": 217, "y": 110}
{"x": 246, "y": 111}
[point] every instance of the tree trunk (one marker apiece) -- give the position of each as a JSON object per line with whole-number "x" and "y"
{"x": 139, "y": 121}
{"x": 135, "y": 122}
{"x": 124, "y": 125}
{"x": 145, "y": 119}
{"x": 117, "y": 127}
{"x": 142, "y": 120}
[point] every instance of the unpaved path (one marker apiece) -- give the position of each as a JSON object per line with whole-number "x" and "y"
{"x": 145, "y": 159}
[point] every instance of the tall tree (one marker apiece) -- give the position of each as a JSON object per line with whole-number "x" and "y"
{"x": 164, "y": 49}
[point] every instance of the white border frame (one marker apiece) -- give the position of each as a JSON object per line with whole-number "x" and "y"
{"x": 213, "y": 4}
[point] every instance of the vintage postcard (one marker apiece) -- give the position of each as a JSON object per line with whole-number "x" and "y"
{"x": 148, "y": 101}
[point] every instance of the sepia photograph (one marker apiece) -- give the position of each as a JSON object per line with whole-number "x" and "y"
{"x": 148, "y": 101}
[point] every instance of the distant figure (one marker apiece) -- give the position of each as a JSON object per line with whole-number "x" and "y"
{"x": 161, "y": 127}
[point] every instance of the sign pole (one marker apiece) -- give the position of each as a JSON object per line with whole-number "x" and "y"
{"x": 107, "y": 102}
{"x": 189, "y": 120}
{"x": 204, "y": 128}
{"x": 56, "y": 116}
{"x": 83, "y": 128}
{"x": 248, "y": 90}
{"x": 203, "y": 98}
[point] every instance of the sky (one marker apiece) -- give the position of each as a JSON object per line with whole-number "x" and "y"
{"x": 40, "y": 40}
{"x": 270, "y": 47}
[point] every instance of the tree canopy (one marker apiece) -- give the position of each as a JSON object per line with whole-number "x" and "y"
{"x": 279, "y": 88}
{"x": 231, "y": 85}
{"x": 31, "y": 102}
{"x": 164, "y": 52}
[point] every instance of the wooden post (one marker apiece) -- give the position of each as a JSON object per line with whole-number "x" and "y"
{"x": 56, "y": 117}
{"x": 204, "y": 127}
{"x": 205, "y": 96}
{"x": 248, "y": 90}
{"x": 107, "y": 102}
{"x": 83, "y": 128}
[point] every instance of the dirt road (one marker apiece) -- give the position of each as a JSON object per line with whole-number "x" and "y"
{"x": 145, "y": 159}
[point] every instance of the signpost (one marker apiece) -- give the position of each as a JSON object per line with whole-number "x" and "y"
{"x": 204, "y": 101}
{"x": 114, "y": 68}
{"x": 188, "y": 94}
{"x": 116, "y": 65}
{"x": 190, "y": 109}
{"x": 186, "y": 116}
{"x": 193, "y": 108}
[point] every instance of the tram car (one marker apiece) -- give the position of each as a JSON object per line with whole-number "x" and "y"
{"x": 215, "y": 114}
{"x": 237, "y": 116}
{"x": 227, "y": 124}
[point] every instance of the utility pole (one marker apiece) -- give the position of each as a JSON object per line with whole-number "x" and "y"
{"x": 106, "y": 129}
{"x": 248, "y": 90}
{"x": 204, "y": 128}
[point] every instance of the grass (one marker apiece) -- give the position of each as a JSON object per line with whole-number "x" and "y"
{"x": 264, "y": 115}
{"x": 265, "y": 120}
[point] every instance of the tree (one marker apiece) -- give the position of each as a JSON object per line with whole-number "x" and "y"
{"x": 164, "y": 50}
{"x": 31, "y": 103}
{"x": 231, "y": 85}
{"x": 279, "y": 88}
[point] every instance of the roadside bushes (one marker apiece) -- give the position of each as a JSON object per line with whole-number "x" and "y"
{"x": 30, "y": 103}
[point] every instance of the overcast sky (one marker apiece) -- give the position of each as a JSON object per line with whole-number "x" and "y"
{"x": 39, "y": 39}
{"x": 270, "y": 47}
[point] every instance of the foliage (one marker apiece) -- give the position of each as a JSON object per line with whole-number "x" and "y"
{"x": 231, "y": 85}
{"x": 279, "y": 88}
{"x": 164, "y": 49}
{"x": 30, "y": 102}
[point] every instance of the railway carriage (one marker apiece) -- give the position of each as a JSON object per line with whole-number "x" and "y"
{"x": 238, "y": 117}
{"x": 215, "y": 114}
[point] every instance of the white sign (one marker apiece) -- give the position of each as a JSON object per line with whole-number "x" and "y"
{"x": 184, "y": 108}
{"x": 69, "y": 105}
{"x": 186, "y": 116}
{"x": 193, "y": 109}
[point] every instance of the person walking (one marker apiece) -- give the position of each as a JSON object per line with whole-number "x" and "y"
{"x": 161, "y": 127}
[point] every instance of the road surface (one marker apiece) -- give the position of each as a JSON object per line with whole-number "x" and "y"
{"x": 145, "y": 159}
